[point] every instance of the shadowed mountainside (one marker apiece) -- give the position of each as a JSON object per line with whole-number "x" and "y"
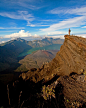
{"x": 9, "y": 53}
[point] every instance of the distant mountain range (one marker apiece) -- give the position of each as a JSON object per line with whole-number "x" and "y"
{"x": 45, "y": 42}
{"x": 9, "y": 51}
{"x": 36, "y": 43}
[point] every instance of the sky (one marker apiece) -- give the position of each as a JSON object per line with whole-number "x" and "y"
{"x": 36, "y": 19}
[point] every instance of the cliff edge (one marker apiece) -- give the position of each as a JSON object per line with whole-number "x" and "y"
{"x": 70, "y": 59}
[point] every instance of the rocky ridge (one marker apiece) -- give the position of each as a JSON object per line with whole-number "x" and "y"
{"x": 58, "y": 84}
{"x": 70, "y": 58}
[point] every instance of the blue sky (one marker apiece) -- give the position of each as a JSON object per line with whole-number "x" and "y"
{"x": 31, "y": 19}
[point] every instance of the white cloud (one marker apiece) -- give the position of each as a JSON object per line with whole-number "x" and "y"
{"x": 2, "y": 42}
{"x": 72, "y": 22}
{"x": 21, "y": 33}
{"x": 6, "y": 31}
{"x": 77, "y": 11}
{"x": 31, "y": 25}
{"x": 61, "y": 37}
{"x": 12, "y": 28}
{"x": 36, "y": 36}
{"x": 55, "y": 32}
{"x": 19, "y": 4}
{"x": 1, "y": 28}
{"x": 22, "y": 15}
{"x": 29, "y": 5}
{"x": 84, "y": 27}
{"x": 42, "y": 25}
{"x": 81, "y": 35}
{"x": 37, "y": 25}
{"x": 67, "y": 23}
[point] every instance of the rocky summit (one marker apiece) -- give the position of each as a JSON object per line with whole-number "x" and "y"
{"x": 60, "y": 83}
{"x": 71, "y": 57}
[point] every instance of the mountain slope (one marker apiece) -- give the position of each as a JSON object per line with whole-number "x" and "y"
{"x": 36, "y": 60}
{"x": 70, "y": 58}
{"x": 10, "y": 51}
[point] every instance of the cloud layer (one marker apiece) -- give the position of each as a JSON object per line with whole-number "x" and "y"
{"x": 21, "y": 33}
{"x": 77, "y": 11}
{"x": 72, "y": 22}
{"x": 12, "y": 27}
{"x": 76, "y": 21}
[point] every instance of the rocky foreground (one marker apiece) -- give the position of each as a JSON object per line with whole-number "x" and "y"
{"x": 58, "y": 84}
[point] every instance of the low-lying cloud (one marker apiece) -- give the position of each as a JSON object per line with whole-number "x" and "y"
{"x": 21, "y": 33}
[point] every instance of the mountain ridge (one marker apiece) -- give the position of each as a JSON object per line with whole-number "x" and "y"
{"x": 70, "y": 58}
{"x": 56, "y": 40}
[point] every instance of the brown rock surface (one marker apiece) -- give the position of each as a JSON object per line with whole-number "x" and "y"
{"x": 74, "y": 90}
{"x": 70, "y": 58}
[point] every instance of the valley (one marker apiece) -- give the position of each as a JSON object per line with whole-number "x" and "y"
{"x": 13, "y": 51}
{"x": 36, "y": 59}
{"x": 49, "y": 47}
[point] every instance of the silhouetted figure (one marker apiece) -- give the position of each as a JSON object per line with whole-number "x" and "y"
{"x": 69, "y": 31}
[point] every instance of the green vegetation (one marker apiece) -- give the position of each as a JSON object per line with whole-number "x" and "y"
{"x": 67, "y": 100}
{"x": 48, "y": 92}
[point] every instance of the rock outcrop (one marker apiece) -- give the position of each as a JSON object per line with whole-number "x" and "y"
{"x": 71, "y": 58}
{"x": 74, "y": 90}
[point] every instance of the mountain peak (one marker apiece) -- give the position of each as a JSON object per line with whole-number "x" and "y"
{"x": 19, "y": 39}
